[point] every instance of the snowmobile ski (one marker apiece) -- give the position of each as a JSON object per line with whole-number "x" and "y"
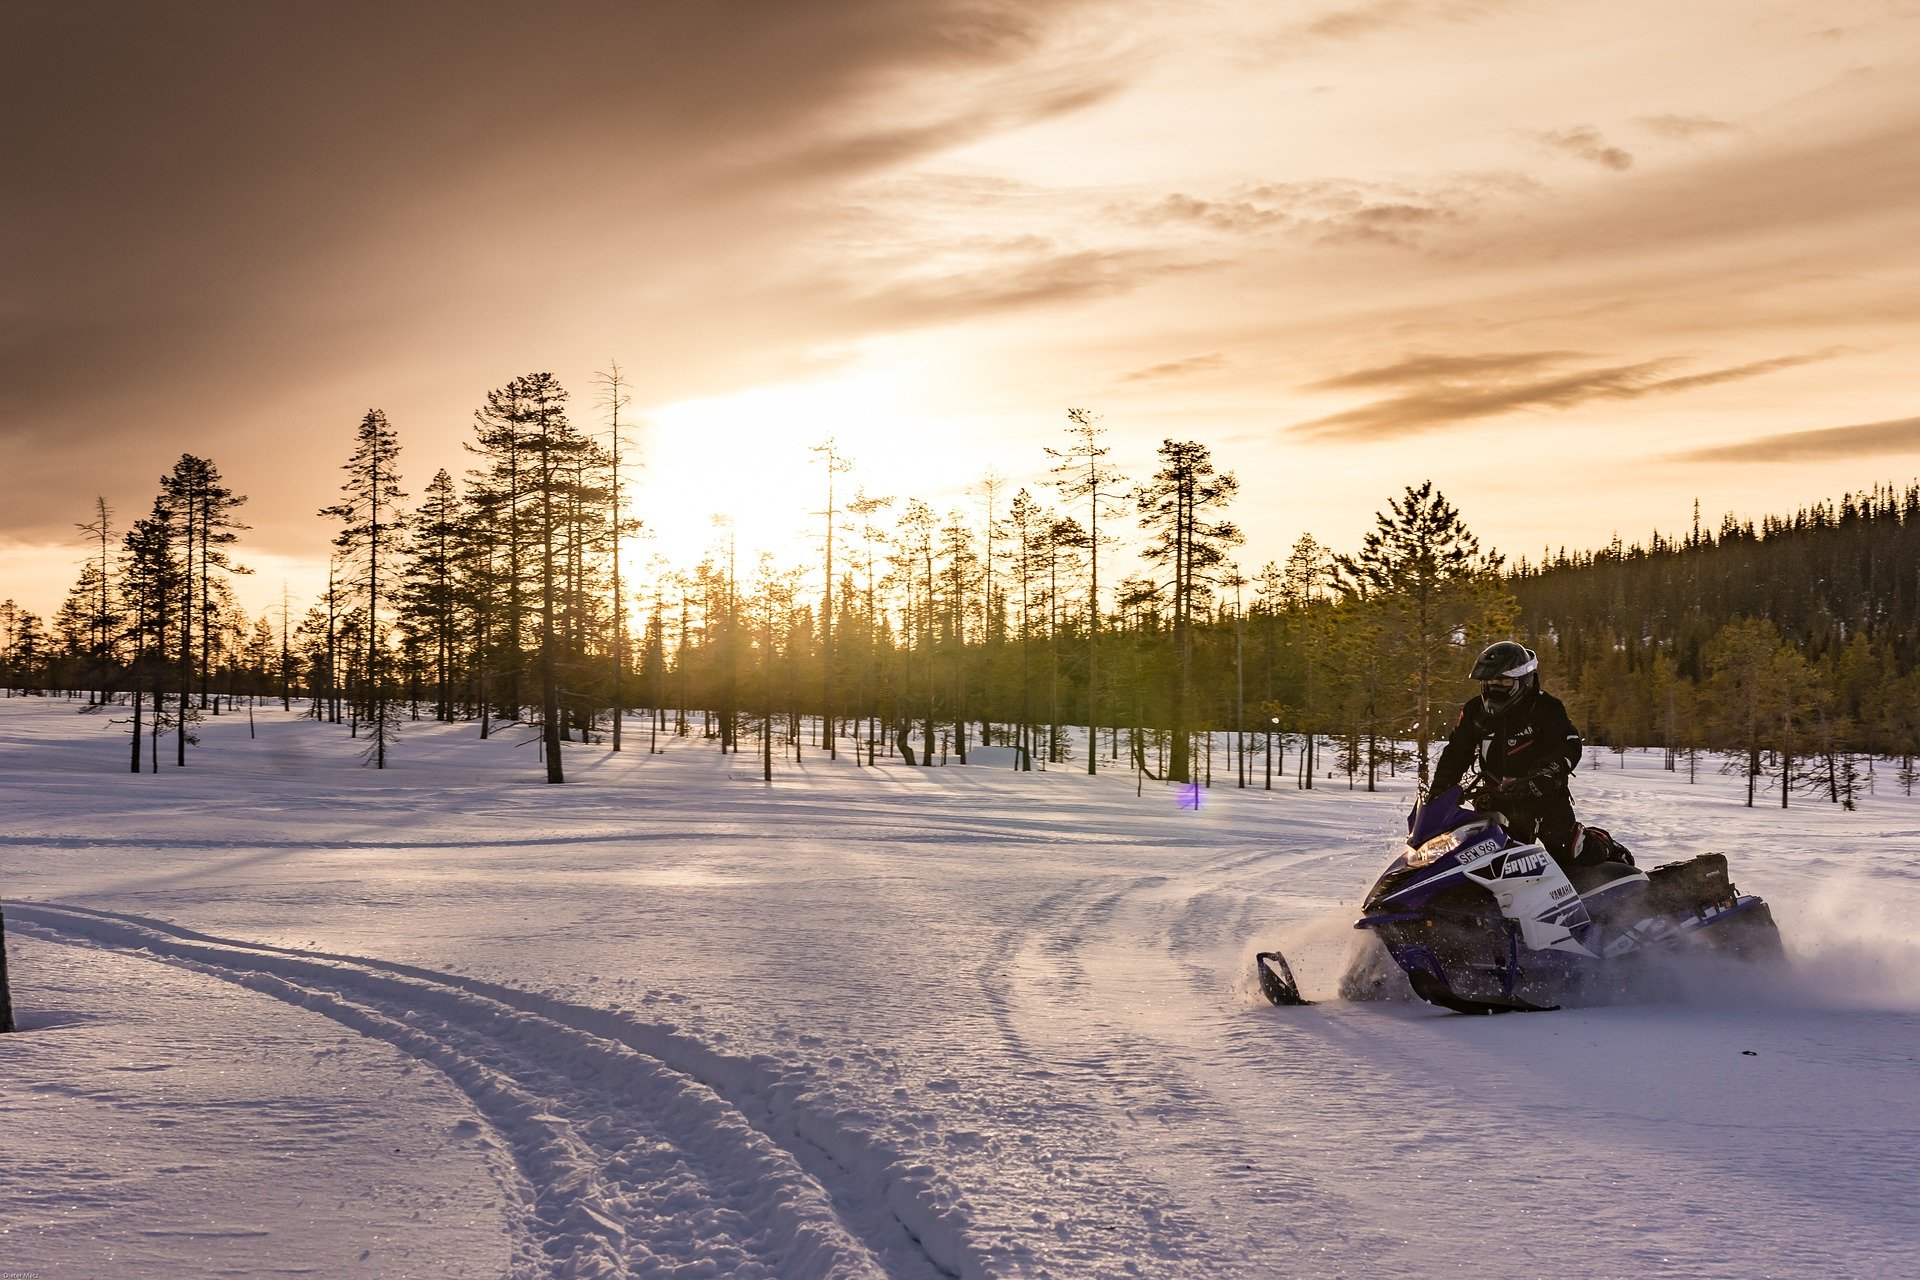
{"x": 1277, "y": 983}
{"x": 1436, "y": 992}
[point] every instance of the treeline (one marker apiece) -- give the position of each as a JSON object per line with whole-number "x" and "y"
{"x": 1794, "y": 643}
{"x": 498, "y": 598}
{"x": 506, "y": 597}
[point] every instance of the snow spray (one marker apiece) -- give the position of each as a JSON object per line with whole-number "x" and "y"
{"x": 1849, "y": 948}
{"x": 1852, "y": 945}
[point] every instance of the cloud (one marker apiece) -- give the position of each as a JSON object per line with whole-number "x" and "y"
{"x": 1354, "y": 21}
{"x": 1176, "y": 368}
{"x": 1870, "y": 439}
{"x": 1684, "y": 127}
{"x": 875, "y": 149}
{"x": 1223, "y": 215}
{"x": 1230, "y": 215}
{"x": 1585, "y": 142}
{"x": 1333, "y": 211}
{"x": 228, "y": 223}
{"x": 1431, "y": 368}
{"x": 1439, "y": 391}
{"x": 1736, "y": 372}
{"x": 1036, "y": 279}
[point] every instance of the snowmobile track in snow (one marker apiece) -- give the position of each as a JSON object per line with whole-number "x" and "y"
{"x": 639, "y": 1150}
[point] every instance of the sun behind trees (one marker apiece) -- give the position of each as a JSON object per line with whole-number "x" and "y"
{"x": 922, "y": 635}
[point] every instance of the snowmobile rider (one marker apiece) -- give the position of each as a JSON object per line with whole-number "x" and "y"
{"x": 1526, "y": 748}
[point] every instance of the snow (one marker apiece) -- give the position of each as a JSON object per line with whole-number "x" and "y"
{"x": 285, "y": 1015}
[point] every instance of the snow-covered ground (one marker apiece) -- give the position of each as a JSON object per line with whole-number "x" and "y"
{"x": 284, "y": 1015}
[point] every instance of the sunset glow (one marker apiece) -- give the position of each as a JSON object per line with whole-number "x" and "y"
{"x": 1641, "y": 254}
{"x": 747, "y": 456}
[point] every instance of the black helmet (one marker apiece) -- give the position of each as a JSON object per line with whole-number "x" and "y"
{"x": 1505, "y": 671}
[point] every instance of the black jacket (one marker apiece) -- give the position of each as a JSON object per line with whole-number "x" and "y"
{"x": 1532, "y": 738}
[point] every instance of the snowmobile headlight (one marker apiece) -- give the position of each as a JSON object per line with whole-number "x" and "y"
{"x": 1434, "y": 850}
{"x": 1442, "y": 845}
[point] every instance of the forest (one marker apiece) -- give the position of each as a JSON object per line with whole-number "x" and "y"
{"x": 1086, "y": 620}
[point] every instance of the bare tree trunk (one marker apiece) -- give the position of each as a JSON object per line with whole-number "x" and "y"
{"x": 549, "y": 668}
{"x": 186, "y": 643}
{"x": 6, "y": 994}
{"x": 619, "y": 603}
{"x": 136, "y": 716}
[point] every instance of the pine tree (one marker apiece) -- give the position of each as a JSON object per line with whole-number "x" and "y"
{"x": 203, "y": 508}
{"x": 551, "y": 445}
{"x": 1751, "y": 667}
{"x": 501, "y": 492}
{"x": 1174, "y": 508}
{"x": 150, "y": 584}
{"x": 959, "y": 579}
{"x": 834, "y": 465}
{"x": 97, "y": 588}
{"x": 430, "y": 596}
{"x": 1065, "y": 539}
{"x": 1083, "y": 475}
{"x": 1439, "y": 594}
{"x": 1304, "y": 585}
{"x": 992, "y": 604}
{"x": 371, "y": 540}
{"x": 867, "y": 508}
{"x": 1027, "y": 523}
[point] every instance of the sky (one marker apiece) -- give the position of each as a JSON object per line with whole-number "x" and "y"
{"x": 1578, "y": 264}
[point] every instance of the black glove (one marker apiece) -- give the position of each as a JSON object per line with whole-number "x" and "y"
{"x": 1537, "y": 785}
{"x": 1548, "y": 779}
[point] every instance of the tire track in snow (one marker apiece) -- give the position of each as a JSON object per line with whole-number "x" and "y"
{"x": 1179, "y": 1123}
{"x": 641, "y": 1151}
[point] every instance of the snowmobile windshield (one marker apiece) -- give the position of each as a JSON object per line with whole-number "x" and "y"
{"x": 1438, "y": 815}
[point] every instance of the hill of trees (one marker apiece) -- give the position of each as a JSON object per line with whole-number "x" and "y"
{"x": 504, "y": 598}
{"x": 1794, "y": 643}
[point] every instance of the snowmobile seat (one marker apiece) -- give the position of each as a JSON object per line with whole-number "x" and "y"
{"x": 1596, "y": 844}
{"x": 1613, "y": 891}
{"x": 1603, "y": 880}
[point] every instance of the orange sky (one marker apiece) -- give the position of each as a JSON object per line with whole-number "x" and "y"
{"x": 1577, "y": 263}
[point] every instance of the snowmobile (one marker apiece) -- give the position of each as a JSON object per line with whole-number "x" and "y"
{"x": 1480, "y": 922}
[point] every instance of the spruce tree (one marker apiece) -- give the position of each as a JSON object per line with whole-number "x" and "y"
{"x": 430, "y": 596}
{"x": 614, "y": 397}
{"x": 370, "y": 540}
{"x": 150, "y": 576}
{"x": 550, "y": 445}
{"x": 203, "y": 508}
{"x": 1190, "y": 544}
{"x": 1440, "y": 596}
{"x": 1083, "y": 475}
{"x": 104, "y": 620}
{"x": 834, "y": 464}
{"x": 1750, "y": 667}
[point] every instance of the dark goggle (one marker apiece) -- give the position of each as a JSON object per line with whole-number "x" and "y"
{"x": 1504, "y": 685}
